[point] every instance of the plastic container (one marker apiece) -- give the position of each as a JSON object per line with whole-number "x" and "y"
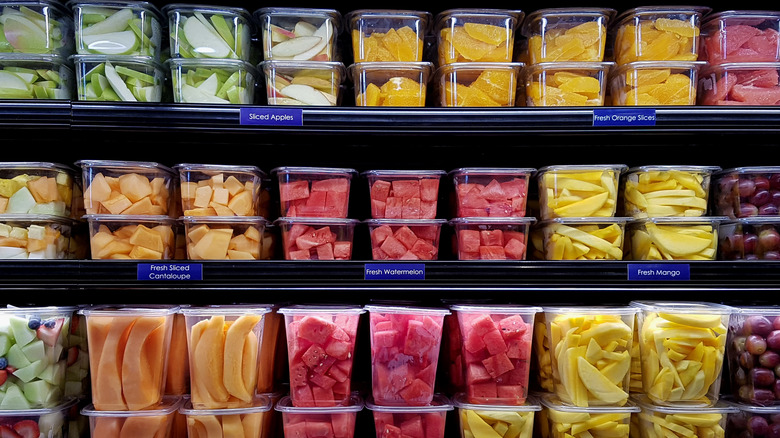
{"x": 674, "y": 238}
{"x": 135, "y": 379}
{"x": 757, "y": 421}
{"x": 583, "y": 32}
{"x": 541, "y": 355}
{"x": 37, "y": 27}
{"x": 497, "y": 192}
{"x": 405, "y": 345}
{"x": 747, "y": 191}
{"x": 658, "y": 33}
{"x": 477, "y": 84}
{"x": 476, "y": 34}
{"x": 35, "y": 77}
{"x": 659, "y": 421}
{"x": 590, "y": 348}
{"x": 403, "y": 194}
{"x": 740, "y": 83}
{"x": 740, "y": 36}
{"x": 212, "y": 81}
{"x": 314, "y": 191}
{"x": 491, "y": 238}
{"x": 402, "y": 84}
{"x": 270, "y": 369}
{"x": 36, "y": 188}
{"x": 131, "y": 237}
{"x": 584, "y": 238}
{"x": 35, "y": 237}
{"x": 247, "y": 420}
{"x": 317, "y": 238}
{"x": 234, "y": 332}
{"x": 577, "y": 421}
{"x": 596, "y": 186}
{"x": 566, "y": 83}
{"x": 47, "y": 422}
{"x": 316, "y": 83}
{"x": 405, "y": 239}
{"x": 320, "y": 346}
{"x": 177, "y": 375}
{"x": 655, "y": 83}
{"x": 118, "y": 78}
{"x": 219, "y": 190}
{"x": 156, "y": 421}
{"x": 753, "y": 238}
{"x": 319, "y": 421}
{"x": 77, "y": 373}
{"x": 686, "y": 326}
{"x": 126, "y": 187}
{"x": 271, "y": 236}
{"x": 216, "y": 32}
{"x": 753, "y": 353}
{"x": 374, "y": 30}
{"x": 117, "y": 27}
{"x": 660, "y": 191}
{"x": 497, "y": 351}
{"x": 431, "y": 418}
{"x": 504, "y": 420}
{"x": 299, "y": 34}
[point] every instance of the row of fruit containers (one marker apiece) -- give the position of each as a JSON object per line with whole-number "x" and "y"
{"x": 663, "y": 55}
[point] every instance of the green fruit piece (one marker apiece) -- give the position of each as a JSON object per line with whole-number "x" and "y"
{"x": 21, "y": 202}
{"x": 16, "y": 357}
{"x": 39, "y": 18}
{"x": 223, "y": 28}
{"x": 228, "y": 84}
{"x": 24, "y": 35}
{"x": 12, "y": 81}
{"x": 31, "y": 371}
{"x": 14, "y": 399}
{"x": 56, "y": 208}
{"x": 9, "y": 186}
{"x": 118, "y": 84}
{"x": 114, "y": 43}
{"x": 210, "y": 85}
{"x": 124, "y": 71}
{"x": 38, "y": 392}
{"x": 34, "y": 351}
{"x": 22, "y": 333}
{"x": 134, "y": 26}
{"x": 116, "y": 22}
{"x": 109, "y": 95}
{"x": 40, "y": 92}
{"x": 5, "y": 344}
{"x": 89, "y": 19}
{"x": 99, "y": 69}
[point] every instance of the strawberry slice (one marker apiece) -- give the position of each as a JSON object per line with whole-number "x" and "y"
{"x": 48, "y": 335}
{"x": 3, "y": 376}
{"x": 27, "y": 429}
{"x": 73, "y": 355}
{"x": 7, "y": 432}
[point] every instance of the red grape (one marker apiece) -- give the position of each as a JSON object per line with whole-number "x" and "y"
{"x": 769, "y": 359}
{"x": 750, "y": 242}
{"x": 761, "y": 182}
{"x": 758, "y": 425}
{"x": 768, "y": 210}
{"x": 760, "y": 197}
{"x": 755, "y": 344}
{"x": 774, "y": 181}
{"x": 774, "y": 431}
{"x": 776, "y": 323}
{"x": 773, "y": 340}
{"x": 746, "y": 188}
{"x": 747, "y": 210}
{"x": 762, "y": 377}
{"x": 757, "y": 325}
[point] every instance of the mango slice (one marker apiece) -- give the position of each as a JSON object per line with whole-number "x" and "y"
{"x": 496, "y": 423}
{"x": 583, "y": 242}
{"x": 673, "y": 241}
{"x": 578, "y": 194}
{"x": 695, "y": 424}
{"x": 666, "y": 192}
{"x": 585, "y": 425}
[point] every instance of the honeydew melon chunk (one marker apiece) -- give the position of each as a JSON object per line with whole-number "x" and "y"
{"x": 14, "y": 399}
{"x": 114, "y": 43}
{"x": 54, "y": 373}
{"x": 38, "y": 392}
{"x": 52, "y": 422}
{"x": 7, "y": 252}
{"x": 31, "y": 371}
{"x": 116, "y": 22}
{"x": 16, "y": 357}
{"x": 23, "y": 335}
{"x": 118, "y": 84}
{"x": 34, "y": 351}
{"x": 5, "y": 344}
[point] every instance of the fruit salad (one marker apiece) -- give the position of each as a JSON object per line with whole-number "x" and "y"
{"x": 118, "y": 28}
{"x": 224, "y": 238}
{"x": 317, "y": 238}
{"x": 316, "y": 422}
{"x": 496, "y": 192}
{"x": 668, "y": 238}
{"x": 131, "y": 237}
{"x": 35, "y": 77}
{"x": 36, "y": 237}
{"x": 126, "y": 187}
{"x": 209, "y": 32}
{"x": 299, "y": 34}
{"x": 491, "y": 238}
{"x": 390, "y": 83}
{"x": 36, "y": 188}
{"x": 662, "y": 421}
{"x": 405, "y": 239}
{"x": 747, "y": 191}
{"x": 477, "y": 84}
{"x": 245, "y": 422}
{"x": 583, "y": 238}
{"x": 476, "y": 35}
{"x": 303, "y": 82}
{"x": 413, "y": 421}
{"x": 495, "y": 421}
{"x": 659, "y": 191}
{"x": 753, "y": 353}
{"x": 118, "y": 79}
{"x": 154, "y": 421}
{"x": 580, "y": 422}
{"x": 212, "y": 81}
{"x": 578, "y": 190}
{"x": 567, "y": 34}
{"x": 314, "y": 191}
{"x": 658, "y": 33}
{"x": 41, "y": 422}
{"x": 741, "y": 36}
{"x": 388, "y": 35}
{"x": 566, "y": 84}
{"x": 403, "y": 194}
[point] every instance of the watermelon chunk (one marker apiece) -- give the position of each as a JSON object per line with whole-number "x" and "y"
{"x": 380, "y": 190}
{"x": 503, "y": 196}
{"x": 490, "y": 241}
{"x": 405, "y": 198}
{"x": 320, "y": 242}
{"x": 293, "y": 190}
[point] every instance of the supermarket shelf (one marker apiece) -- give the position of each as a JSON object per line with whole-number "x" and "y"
{"x": 26, "y": 114}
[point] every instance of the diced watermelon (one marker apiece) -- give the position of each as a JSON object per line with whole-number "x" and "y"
{"x": 384, "y": 339}
{"x": 512, "y": 326}
{"x": 380, "y": 190}
{"x": 298, "y": 373}
{"x": 515, "y": 249}
{"x": 485, "y": 391}
{"x": 417, "y": 393}
{"x": 481, "y": 325}
{"x": 474, "y": 199}
{"x": 295, "y": 429}
{"x": 379, "y": 322}
{"x": 303, "y": 396}
{"x": 331, "y": 185}
{"x": 339, "y": 349}
{"x": 491, "y": 237}
{"x": 393, "y": 248}
{"x": 492, "y": 253}
{"x": 314, "y": 238}
{"x": 409, "y": 256}
{"x": 427, "y": 232}
{"x": 511, "y": 394}
{"x": 378, "y": 208}
{"x": 429, "y": 189}
{"x": 380, "y": 233}
{"x": 411, "y": 208}
{"x": 473, "y": 342}
{"x": 418, "y": 340}
{"x": 336, "y": 202}
{"x": 293, "y": 190}
{"x": 300, "y": 254}
{"x": 500, "y": 209}
{"x": 322, "y": 381}
{"x": 406, "y": 188}
{"x": 342, "y": 250}
{"x": 324, "y": 397}
{"x": 389, "y": 431}
{"x": 424, "y": 250}
{"x": 337, "y": 374}
{"x": 343, "y": 424}
{"x": 493, "y": 191}
{"x": 314, "y": 356}
{"x": 494, "y": 342}
{"x": 315, "y": 329}
{"x": 325, "y": 252}
{"x": 515, "y": 188}
{"x": 317, "y": 429}
{"x": 428, "y": 209}
{"x": 394, "y": 207}
{"x": 324, "y": 366}
{"x": 295, "y": 231}
{"x": 765, "y": 46}
{"x": 413, "y": 427}
{"x": 476, "y": 373}
{"x": 406, "y": 236}
{"x": 316, "y": 200}
{"x": 378, "y": 254}
{"x": 434, "y": 424}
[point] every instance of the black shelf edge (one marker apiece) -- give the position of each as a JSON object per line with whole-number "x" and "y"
{"x": 35, "y": 114}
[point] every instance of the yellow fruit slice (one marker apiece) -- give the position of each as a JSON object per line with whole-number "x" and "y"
{"x": 637, "y": 78}
{"x": 233, "y": 370}
{"x": 680, "y": 27}
{"x": 468, "y": 46}
{"x": 497, "y": 84}
{"x": 693, "y": 320}
{"x": 582, "y": 84}
{"x": 487, "y": 33}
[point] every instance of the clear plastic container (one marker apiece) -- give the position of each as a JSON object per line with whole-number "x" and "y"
{"x": 317, "y": 238}
{"x": 740, "y": 83}
{"x": 247, "y": 421}
{"x": 314, "y": 191}
{"x": 46, "y": 422}
{"x": 497, "y": 351}
{"x": 271, "y": 236}
{"x": 126, "y": 187}
{"x": 476, "y": 34}
{"x": 542, "y": 355}
{"x": 319, "y": 421}
{"x": 299, "y": 34}
{"x": 669, "y": 329}
{"x": 477, "y": 84}
{"x": 753, "y": 238}
{"x": 320, "y": 347}
{"x": 128, "y": 355}
{"x": 212, "y": 81}
{"x": 428, "y": 420}
{"x": 505, "y": 421}
{"x": 216, "y": 32}
{"x": 753, "y": 353}
{"x": 655, "y": 83}
{"x": 496, "y": 192}
{"x": 131, "y": 237}
{"x": 566, "y": 83}
{"x": 590, "y": 348}
{"x": 77, "y": 364}
{"x": 303, "y": 82}
{"x": 403, "y": 194}
{"x": 567, "y": 34}
{"x": 155, "y": 421}
{"x": 402, "y": 84}
{"x": 568, "y": 191}
{"x": 271, "y": 350}
{"x": 234, "y": 332}
{"x": 220, "y": 190}
{"x": 405, "y": 345}
{"x": 36, "y": 188}
{"x": 673, "y": 238}
{"x": 405, "y": 239}
{"x": 658, "y": 33}
{"x": 752, "y": 420}
{"x": 35, "y": 237}
{"x": 177, "y": 375}
{"x": 660, "y": 191}
{"x": 584, "y": 238}
{"x": 747, "y": 191}
{"x": 36, "y": 27}
{"x": 25, "y": 76}
{"x": 659, "y": 421}
{"x": 118, "y": 78}
{"x": 740, "y": 36}
{"x": 579, "y": 421}
{"x": 388, "y": 35}
{"x": 117, "y": 27}
{"x": 491, "y": 238}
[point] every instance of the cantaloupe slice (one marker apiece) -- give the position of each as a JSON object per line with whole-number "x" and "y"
{"x": 107, "y": 427}
{"x": 195, "y": 429}
{"x": 143, "y": 426}
{"x": 235, "y": 346}
{"x": 177, "y": 380}
{"x": 253, "y": 424}
{"x": 211, "y": 426}
{"x": 140, "y": 369}
{"x": 98, "y": 190}
{"x": 43, "y": 189}
{"x": 135, "y": 186}
{"x": 199, "y": 392}
{"x": 107, "y": 378}
{"x": 210, "y": 356}
{"x": 249, "y": 362}
{"x": 232, "y": 427}
{"x": 147, "y": 238}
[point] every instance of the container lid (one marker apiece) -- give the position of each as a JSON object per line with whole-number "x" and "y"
{"x": 392, "y": 66}
{"x": 551, "y": 401}
{"x": 516, "y": 14}
{"x": 168, "y": 405}
{"x": 210, "y": 63}
{"x": 460, "y": 401}
{"x": 117, "y": 59}
{"x": 307, "y": 309}
{"x": 130, "y": 218}
{"x": 133, "y": 4}
{"x": 749, "y": 169}
{"x": 568, "y": 65}
{"x": 492, "y": 171}
{"x": 533, "y": 17}
{"x": 487, "y": 220}
{"x": 592, "y": 310}
{"x": 742, "y": 66}
{"x": 36, "y": 218}
{"x": 129, "y": 309}
{"x": 654, "y": 10}
{"x": 299, "y": 12}
{"x": 404, "y": 310}
{"x": 254, "y": 220}
{"x": 66, "y": 14}
{"x": 757, "y": 310}
{"x": 741, "y": 14}
{"x": 193, "y": 167}
{"x": 440, "y": 403}
{"x": 641, "y": 65}
{"x": 496, "y": 308}
{"x": 753, "y": 409}
{"x": 386, "y": 14}
{"x": 63, "y": 406}
{"x": 35, "y": 165}
{"x": 44, "y": 58}
{"x": 407, "y": 173}
{"x": 585, "y": 220}
{"x": 285, "y": 405}
{"x": 754, "y": 220}
{"x": 261, "y": 403}
{"x": 719, "y": 408}
{"x": 38, "y": 310}
{"x": 264, "y": 66}
{"x": 314, "y": 170}
{"x": 411, "y": 222}
{"x": 225, "y": 309}
{"x": 478, "y": 66}
{"x": 583, "y": 167}
{"x": 208, "y": 9}
{"x": 663, "y": 168}
{"x": 316, "y": 221}
{"x": 144, "y": 166}
{"x": 694, "y": 307}
{"x": 680, "y": 220}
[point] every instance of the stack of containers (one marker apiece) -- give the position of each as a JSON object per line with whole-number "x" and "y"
{"x": 118, "y": 49}
{"x": 656, "y": 50}
{"x": 475, "y": 53}
{"x": 301, "y": 58}
{"x": 388, "y": 51}
{"x": 35, "y": 43}
{"x": 566, "y": 49}
{"x": 743, "y": 61}
{"x": 314, "y": 204}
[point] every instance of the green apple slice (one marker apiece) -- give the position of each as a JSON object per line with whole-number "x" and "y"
{"x": 116, "y": 43}
{"x": 118, "y": 84}
{"x": 24, "y": 35}
{"x": 192, "y": 94}
{"x": 222, "y": 27}
{"x": 129, "y": 72}
{"x": 210, "y": 85}
{"x": 12, "y": 81}
{"x": 204, "y": 40}
{"x": 116, "y": 22}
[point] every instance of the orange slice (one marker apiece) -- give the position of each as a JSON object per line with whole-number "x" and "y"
{"x": 487, "y": 33}
{"x": 497, "y": 84}
{"x": 680, "y": 27}
{"x": 471, "y": 48}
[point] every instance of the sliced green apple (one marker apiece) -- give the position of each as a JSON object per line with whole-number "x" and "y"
{"x": 115, "y": 22}
{"x": 192, "y": 94}
{"x": 115, "y": 43}
{"x": 224, "y": 29}
{"x": 204, "y": 41}
{"x": 24, "y": 35}
{"x": 118, "y": 84}
{"x": 13, "y": 81}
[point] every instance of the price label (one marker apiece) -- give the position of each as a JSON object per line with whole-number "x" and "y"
{"x": 270, "y": 116}
{"x": 397, "y": 271}
{"x": 659, "y": 272}
{"x": 170, "y": 271}
{"x": 624, "y": 117}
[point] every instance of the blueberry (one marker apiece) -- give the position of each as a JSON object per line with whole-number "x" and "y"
{"x": 3, "y": 363}
{"x": 50, "y": 324}
{"x": 34, "y": 323}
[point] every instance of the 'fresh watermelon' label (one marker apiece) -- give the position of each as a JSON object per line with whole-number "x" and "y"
{"x": 659, "y": 272}
{"x": 268, "y": 116}
{"x": 394, "y": 271}
{"x": 170, "y": 271}
{"x": 624, "y": 117}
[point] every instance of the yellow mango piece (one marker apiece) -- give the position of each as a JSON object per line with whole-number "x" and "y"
{"x": 599, "y": 385}
{"x": 693, "y": 320}
{"x": 676, "y": 244}
{"x": 478, "y": 427}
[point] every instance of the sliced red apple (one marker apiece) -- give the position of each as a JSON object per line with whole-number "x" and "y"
{"x": 295, "y": 46}
{"x": 303, "y": 28}
{"x": 279, "y": 34}
{"x": 306, "y": 94}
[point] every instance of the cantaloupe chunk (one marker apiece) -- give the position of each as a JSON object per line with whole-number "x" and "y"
{"x": 166, "y": 233}
{"x": 135, "y": 186}
{"x": 241, "y": 204}
{"x": 188, "y": 190}
{"x": 107, "y": 375}
{"x": 147, "y": 238}
{"x": 240, "y": 255}
{"x": 98, "y": 190}
{"x": 100, "y": 239}
{"x": 116, "y": 204}
{"x": 143, "y": 207}
{"x": 221, "y": 196}
{"x": 140, "y": 366}
{"x": 108, "y": 427}
{"x": 143, "y": 426}
{"x": 113, "y": 248}
{"x": 211, "y": 426}
{"x": 214, "y": 245}
{"x": 141, "y": 253}
{"x": 233, "y": 185}
{"x": 43, "y": 189}
{"x": 203, "y": 196}
{"x": 220, "y": 209}
{"x": 199, "y": 393}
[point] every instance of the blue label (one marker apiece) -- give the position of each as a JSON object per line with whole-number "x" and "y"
{"x": 659, "y": 272}
{"x": 624, "y": 117}
{"x": 170, "y": 271}
{"x": 269, "y": 116}
{"x": 397, "y": 271}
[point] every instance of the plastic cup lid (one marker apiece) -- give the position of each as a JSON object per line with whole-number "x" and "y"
{"x": 169, "y": 404}
{"x": 226, "y": 309}
{"x": 551, "y": 401}
{"x": 532, "y": 405}
{"x": 306, "y": 309}
{"x": 141, "y": 310}
{"x": 406, "y": 310}
{"x": 496, "y": 308}
{"x": 261, "y": 403}
{"x": 38, "y": 310}
{"x": 697, "y": 307}
{"x": 592, "y": 310}
{"x": 65, "y": 405}
{"x": 683, "y": 408}
{"x": 355, "y": 404}
{"x": 440, "y": 403}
